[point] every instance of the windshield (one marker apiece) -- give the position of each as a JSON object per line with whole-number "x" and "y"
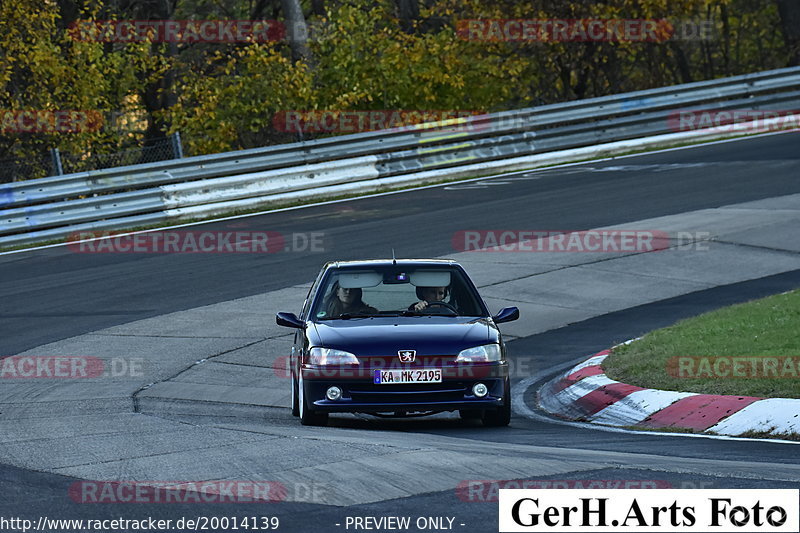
{"x": 396, "y": 290}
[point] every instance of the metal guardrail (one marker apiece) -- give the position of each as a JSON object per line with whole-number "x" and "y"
{"x": 50, "y": 208}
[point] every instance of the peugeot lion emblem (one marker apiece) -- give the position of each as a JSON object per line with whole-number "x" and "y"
{"x": 407, "y": 356}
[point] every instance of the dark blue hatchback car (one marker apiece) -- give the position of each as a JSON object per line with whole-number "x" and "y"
{"x": 398, "y": 338}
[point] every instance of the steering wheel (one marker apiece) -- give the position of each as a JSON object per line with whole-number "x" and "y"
{"x": 442, "y": 304}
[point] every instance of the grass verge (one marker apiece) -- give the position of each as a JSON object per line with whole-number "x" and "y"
{"x": 749, "y": 349}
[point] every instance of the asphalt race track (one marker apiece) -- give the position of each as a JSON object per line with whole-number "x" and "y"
{"x": 52, "y": 295}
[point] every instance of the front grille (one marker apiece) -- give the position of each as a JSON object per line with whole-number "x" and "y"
{"x": 409, "y": 393}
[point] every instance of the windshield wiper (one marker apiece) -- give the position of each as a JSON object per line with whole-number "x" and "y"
{"x": 348, "y": 316}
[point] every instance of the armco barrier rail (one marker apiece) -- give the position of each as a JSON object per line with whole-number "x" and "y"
{"x": 140, "y": 195}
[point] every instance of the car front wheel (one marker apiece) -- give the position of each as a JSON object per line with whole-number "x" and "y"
{"x": 307, "y": 416}
{"x": 502, "y": 415}
{"x": 295, "y": 403}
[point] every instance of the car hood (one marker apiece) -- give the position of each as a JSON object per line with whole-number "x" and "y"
{"x": 379, "y": 336}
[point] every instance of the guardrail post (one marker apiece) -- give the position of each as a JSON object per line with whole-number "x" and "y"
{"x": 177, "y": 148}
{"x": 55, "y": 155}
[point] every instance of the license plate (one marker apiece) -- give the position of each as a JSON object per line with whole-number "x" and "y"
{"x": 421, "y": 375}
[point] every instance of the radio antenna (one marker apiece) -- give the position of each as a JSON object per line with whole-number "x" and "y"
{"x": 394, "y": 261}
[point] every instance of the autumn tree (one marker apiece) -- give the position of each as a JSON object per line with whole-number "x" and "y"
{"x": 352, "y": 55}
{"x": 45, "y": 69}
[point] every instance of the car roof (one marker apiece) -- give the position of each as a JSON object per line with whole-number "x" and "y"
{"x": 390, "y": 262}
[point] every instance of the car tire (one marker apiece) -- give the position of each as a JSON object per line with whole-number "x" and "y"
{"x": 295, "y": 403}
{"x": 308, "y": 417}
{"x": 502, "y": 415}
{"x": 470, "y": 414}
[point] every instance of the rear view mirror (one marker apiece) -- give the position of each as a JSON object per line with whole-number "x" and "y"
{"x": 506, "y": 314}
{"x": 289, "y": 320}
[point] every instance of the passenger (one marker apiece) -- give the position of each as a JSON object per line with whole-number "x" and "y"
{"x": 428, "y": 295}
{"x": 347, "y": 301}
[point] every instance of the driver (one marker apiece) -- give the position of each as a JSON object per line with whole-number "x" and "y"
{"x": 428, "y": 295}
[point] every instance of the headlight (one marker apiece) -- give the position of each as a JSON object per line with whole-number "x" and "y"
{"x": 329, "y": 356}
{"x": 480, "y": 354}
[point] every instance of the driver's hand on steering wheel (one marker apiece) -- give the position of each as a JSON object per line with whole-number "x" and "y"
{"x": 420, "y": 305}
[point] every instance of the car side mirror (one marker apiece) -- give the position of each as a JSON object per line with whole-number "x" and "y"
{"x": 289, "y": 320}
{"x": 506, "y": 314}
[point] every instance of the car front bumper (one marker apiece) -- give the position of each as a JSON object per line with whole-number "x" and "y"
{"x": 361, "y": 394}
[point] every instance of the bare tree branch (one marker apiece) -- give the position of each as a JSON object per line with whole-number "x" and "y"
{"x": 790, "y": 21}
{"x": 297, "y": 31}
